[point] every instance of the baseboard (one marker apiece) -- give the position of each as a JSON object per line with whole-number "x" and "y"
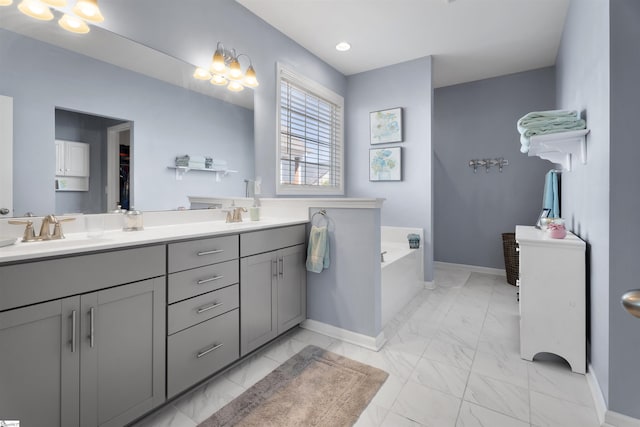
{"x": 614, "y": 419}
{"x": 596, "y": 394}
{"x": 371, "y": 343}
{"x": 607, "y": 418}
{"x": 431, "y": 285}
{"x": 471, "y": 268}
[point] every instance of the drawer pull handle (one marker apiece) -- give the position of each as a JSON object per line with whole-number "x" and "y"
{"x": 215, "y": 251}
{"x": 210, "y": 279}
{"x": 209, "y": 350}
{"x": 209, "y": 307}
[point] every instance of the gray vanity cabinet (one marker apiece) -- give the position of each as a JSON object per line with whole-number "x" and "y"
{"x": 258, "y": 292}
{"x": 90, "y": 360}
{"x": 291, "y": 288}
{"x": 272, "y": 284}
{"x": 93, "y": 356}
{"x": 39, "y": 376}
{"x": 122, "y": 349}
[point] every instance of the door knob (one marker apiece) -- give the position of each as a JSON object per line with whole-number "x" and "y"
{"x": 4, "y": 211}
{"x": 631, "y": 301}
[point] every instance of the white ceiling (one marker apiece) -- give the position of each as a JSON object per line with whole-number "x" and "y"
{"x": 469, "y": 39}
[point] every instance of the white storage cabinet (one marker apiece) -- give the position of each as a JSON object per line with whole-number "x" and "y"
{"x": 552, "y": 296}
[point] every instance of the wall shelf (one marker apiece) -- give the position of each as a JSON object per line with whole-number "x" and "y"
{"x": 182, "y": 170}
{"x": 561, "y": 147}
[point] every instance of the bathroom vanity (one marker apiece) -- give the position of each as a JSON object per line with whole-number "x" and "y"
{"x": 101, "y": 336}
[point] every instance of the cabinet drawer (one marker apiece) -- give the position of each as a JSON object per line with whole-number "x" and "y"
{"x": 187, "y": 284}
{"x": 200, "y": 351}
{"x": 268, "y": 240}
{"x": 196, "y": 310}
{"x": 197, "y": 253}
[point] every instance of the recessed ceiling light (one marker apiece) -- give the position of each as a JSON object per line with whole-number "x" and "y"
{"x": 343, "y": 46}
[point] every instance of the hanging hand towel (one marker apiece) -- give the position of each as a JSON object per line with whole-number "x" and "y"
{"x": 550, "y": 199}
{"x": 318, "y": 250}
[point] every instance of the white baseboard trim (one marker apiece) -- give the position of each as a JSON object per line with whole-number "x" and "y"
{"x": 472, "y": 268}
{"x": 614, "y": 419}
{"x": 607, "y": 418}
{"x": 596, "y": 394}
{"x": 371, "y": 343}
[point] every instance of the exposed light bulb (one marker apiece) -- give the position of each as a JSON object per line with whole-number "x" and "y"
{"x": 55, "y": 3}
{"x": 73, "y": 24}
{"x": 35, "y": 9}
{"x": 201, "y": 74}
{"x": 343, "y": 46}
{"x": 218, "y": 80}
{"x": 6, "y": 2}
{"x": 88, "y": 9}
{"x": 235, "y": 86}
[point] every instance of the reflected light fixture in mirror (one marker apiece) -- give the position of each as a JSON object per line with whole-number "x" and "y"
{"x": 225, "y": 70}
{"x": 85, "y": 10}
{"x": 88, "y": 9}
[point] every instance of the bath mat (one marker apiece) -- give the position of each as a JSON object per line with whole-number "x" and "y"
{"x": 313, "y": 388}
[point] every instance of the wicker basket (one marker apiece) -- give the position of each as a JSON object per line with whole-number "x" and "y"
{"x": 511, "y": 260}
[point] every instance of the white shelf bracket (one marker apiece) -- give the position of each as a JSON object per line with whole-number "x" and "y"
{"x": 561, "y": 148}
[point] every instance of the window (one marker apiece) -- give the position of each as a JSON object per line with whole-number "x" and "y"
{"x": 310, "y": 137}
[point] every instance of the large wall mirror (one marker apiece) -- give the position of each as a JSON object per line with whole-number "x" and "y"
{"x": 74, "y": 88}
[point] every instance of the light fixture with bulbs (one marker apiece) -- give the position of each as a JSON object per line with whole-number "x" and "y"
{"x": 84, "y": 10}
{"x": 225, "y": 70}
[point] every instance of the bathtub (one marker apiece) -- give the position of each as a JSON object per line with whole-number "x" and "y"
{"x": 402, "y": 270}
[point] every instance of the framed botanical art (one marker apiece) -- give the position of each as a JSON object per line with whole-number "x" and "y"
{"x": 386, "y": 126}
{"x": 385, "y": 164}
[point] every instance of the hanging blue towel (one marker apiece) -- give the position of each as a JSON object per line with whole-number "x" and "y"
{"x": 318, "y": 250}
{"x": 550, "y": 198}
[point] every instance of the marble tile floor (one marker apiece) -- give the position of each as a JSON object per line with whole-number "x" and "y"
{"x": 453, "y": 360}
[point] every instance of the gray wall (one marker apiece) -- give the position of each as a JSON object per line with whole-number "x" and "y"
{"x": 190, "y": 29}
{"x": 168, "y": 121}
{"x": 92, "y": 130}
{"x": 408, "y": 202}
{"x": 347, "y": 294}
{"x": 477, "y": 120}
{"x": 583, "y": 84}
{"x": 624, "y": 269}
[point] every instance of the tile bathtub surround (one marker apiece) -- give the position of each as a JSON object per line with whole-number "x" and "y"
{"x": 453, "y": 358}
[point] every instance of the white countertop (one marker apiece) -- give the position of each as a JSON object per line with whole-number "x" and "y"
{"x": 532, "y": 235}
{"x": 78, "y": 243}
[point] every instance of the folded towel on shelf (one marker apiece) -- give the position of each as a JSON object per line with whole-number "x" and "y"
{"x": 547, "y": 122}
{"x": 536, "y": 116}
{"x": 550, "y": 198}
{"x": 318, "y": 249}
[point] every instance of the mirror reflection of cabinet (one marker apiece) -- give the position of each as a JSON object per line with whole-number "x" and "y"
{"x": 72, "y": 166}
{"x": 72, "y": 158}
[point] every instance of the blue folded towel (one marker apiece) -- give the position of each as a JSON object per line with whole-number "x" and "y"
{"x": 550, "y": 198}
{"x": 318, "y": 249}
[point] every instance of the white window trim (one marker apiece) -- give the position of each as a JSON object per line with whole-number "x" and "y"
{"x": 322, "y": 92}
